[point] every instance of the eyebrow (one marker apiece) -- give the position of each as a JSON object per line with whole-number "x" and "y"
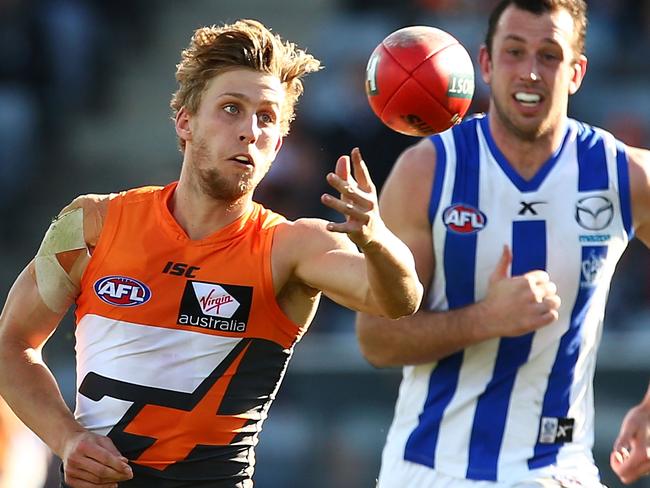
{"x": 515, "y": 37}
{"x": 246, "y": 98}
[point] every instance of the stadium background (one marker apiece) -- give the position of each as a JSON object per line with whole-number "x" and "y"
{"x": 84, "y": 92}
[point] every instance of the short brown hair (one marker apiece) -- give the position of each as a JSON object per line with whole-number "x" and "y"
{"x": 577, "y": 9}
{"x": 244, "y": 44}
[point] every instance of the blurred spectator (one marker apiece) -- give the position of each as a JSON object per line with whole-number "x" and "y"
{"x": 72, "y": 32}
{"x": 23, "y": 70}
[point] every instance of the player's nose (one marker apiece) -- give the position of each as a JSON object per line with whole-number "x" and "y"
{"x": 249, "y": 129}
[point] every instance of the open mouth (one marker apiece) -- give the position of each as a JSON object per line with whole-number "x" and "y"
{"x": 528, "y": 99}
{"x": 243, "y": 159}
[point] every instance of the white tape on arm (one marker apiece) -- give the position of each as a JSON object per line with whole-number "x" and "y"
{"x": 56, "y": 287}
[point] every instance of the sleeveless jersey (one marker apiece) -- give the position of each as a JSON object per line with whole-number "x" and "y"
{"x": 508, "y": 408}
{"x": 181, "y": 345}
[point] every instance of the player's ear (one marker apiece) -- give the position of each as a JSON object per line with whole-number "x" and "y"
{"x": 485, "y": 64}
{"x": 579, "y": 70}
{"x": 182, "y": 124}
{"x": 279, "y": 145}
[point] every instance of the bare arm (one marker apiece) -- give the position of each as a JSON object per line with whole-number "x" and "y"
{"x": 358, "y": 263}
{"x": 429, "y": 336}
{"x": 630, "y": 456}
{"x": 38, "y": 300}
{"x": 639, "y": 169}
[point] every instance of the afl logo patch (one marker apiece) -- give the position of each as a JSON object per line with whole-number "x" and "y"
{"x": 463, "y": 219}
{"x": 122, "y": 291}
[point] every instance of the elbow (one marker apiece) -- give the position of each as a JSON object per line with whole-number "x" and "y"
{"x": 376, "y": 344}
{"x": 408, "y": 304}
{"x": 376, "y": 357}
{"x": 379, "y": 361}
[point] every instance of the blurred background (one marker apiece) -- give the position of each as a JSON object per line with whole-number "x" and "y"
{"x": 84, "y": 108}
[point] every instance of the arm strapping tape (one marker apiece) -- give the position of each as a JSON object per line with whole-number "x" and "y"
{"x": 56, "y": 287}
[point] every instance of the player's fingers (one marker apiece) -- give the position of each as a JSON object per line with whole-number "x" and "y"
{"x": 501, "y": 270}
{"x": 544, "y": 318}
{"x": 350, "y": 192}
{"x": 550, "y": 288}
{"x": 107, "y": 444}
{"x": 343, "y": 227}
{"x": 343, "y": 168}
{"x": 622, "y": 442}
{"x": 361, "y": 173}
{"x": 538, "y": 277}
{"x": 89, "y": 469}
{"x": 111, "y": 462}
{"x": 344, "y": 187}
{"x": 552, "y": 302}
{"x": 73, "y": 482}
{"x": 346, "y": 208}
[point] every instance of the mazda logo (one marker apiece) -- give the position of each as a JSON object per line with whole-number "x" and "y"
{"x": 594, "y": 213}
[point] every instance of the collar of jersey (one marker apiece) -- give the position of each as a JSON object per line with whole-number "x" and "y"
{"x": 222, "y": 236}
{"x": 522, "y": 184}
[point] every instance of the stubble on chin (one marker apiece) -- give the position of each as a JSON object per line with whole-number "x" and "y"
{"x": 219, "y": 187}
{"x": 526, "y": 134}
{"x": 212, "y": 182}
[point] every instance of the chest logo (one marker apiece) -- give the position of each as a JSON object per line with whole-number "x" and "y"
{"x": 122, "y": 291}
{"x": 594, "y": 213}
{"x": 463, "y": 219}
{"x": 216, "y": 306}
{"x": 529, "y": 207}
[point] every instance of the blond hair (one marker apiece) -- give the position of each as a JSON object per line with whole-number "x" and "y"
{"x": 244, "y": 44}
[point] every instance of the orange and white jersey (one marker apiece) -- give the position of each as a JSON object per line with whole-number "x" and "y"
{"x": 181, "y": 345}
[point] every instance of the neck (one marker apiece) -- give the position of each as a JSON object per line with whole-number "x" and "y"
{"x": 526, "y": 156}
{"x": 200, "y": 215}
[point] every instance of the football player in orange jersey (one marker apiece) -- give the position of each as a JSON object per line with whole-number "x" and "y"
{"x": 190, "y": 298}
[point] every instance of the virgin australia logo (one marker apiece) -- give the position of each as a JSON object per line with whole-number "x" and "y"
{"x": 594, "y": 213}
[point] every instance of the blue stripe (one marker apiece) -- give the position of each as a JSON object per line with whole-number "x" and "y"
{"x": 536, "y": 181}
{"x": 529, "y": 253}
{"x": 439, "y": 177}
{"x": 592, "y": 161}
{"x": 459, "y": 267}
{"x": 624, "y": 189}
{"x": 558, "y": 392}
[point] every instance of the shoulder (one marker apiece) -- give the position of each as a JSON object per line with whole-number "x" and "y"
{"x": 639, "y": 177}
{"x": 410, "y": 181}
{"x": 639, "y": 158}
{"x": 91, "y": 210}
{"x": 639, "y": 169}
{"x": 417, "y": 160}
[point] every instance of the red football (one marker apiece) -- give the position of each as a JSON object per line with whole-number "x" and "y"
{"x": 420, "y": 80}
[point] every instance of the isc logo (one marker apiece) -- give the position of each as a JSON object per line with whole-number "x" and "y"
{"x": 463, "y": 219}
{"x": 122, "y": 291}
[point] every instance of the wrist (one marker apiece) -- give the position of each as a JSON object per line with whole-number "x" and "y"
{"x": 482, "y": 320}
{"x": 61, "y": 443}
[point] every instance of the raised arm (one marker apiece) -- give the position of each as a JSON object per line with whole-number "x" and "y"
{"x": 513, "y": 306}
{"x": 37, "y": 302}
{"x": 358, "y": 263}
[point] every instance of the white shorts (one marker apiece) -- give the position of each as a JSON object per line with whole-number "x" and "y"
{"x": 413, "y": 475}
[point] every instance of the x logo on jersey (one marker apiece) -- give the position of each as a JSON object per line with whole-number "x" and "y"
{"x": 528, "y": 207}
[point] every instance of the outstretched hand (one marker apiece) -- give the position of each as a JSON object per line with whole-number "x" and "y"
{"x": 357, "y": 201}
{"x": 630, "y": 458}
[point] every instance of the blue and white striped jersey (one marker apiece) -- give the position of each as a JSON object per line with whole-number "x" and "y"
{"x": 504, "y": 409}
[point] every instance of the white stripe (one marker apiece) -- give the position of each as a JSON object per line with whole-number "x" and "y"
{"x": 157, "y": 357}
